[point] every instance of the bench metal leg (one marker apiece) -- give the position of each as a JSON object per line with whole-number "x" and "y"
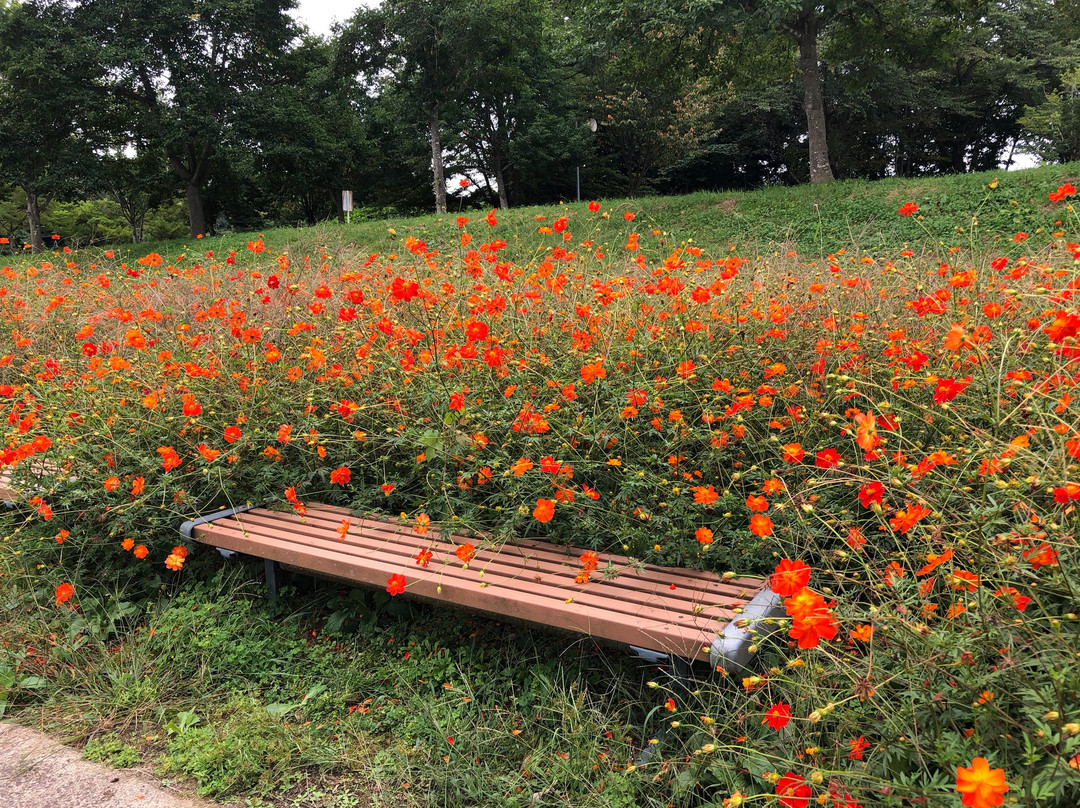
{"x": 271, "y": 578}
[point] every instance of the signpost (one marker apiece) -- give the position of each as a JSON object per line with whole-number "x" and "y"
{"x": 346, "y": 205}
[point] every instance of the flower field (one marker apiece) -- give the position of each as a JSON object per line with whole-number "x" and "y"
{"x": 892, "y": 437}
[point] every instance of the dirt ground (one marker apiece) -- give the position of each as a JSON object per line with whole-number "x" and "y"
{"x": 38, "y": 772}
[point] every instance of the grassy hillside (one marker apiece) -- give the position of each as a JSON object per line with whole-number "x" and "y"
{"x": 954, "y": 211}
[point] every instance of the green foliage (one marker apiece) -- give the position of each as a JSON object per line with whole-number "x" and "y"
{"x": 895, "y": 408}
{"x": 113, "y": 751}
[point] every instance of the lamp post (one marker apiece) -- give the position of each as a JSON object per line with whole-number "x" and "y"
{"x": 591, "y": 126}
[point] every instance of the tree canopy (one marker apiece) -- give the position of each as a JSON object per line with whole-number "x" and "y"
{"x": 233, "y": 108}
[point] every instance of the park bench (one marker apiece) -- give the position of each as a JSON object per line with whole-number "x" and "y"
{"x": 662, "y": 613}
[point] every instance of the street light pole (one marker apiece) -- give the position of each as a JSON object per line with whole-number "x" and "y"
{"x": 577, "y": 169}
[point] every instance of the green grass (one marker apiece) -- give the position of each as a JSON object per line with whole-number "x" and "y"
{"x": 330, "y": 697}
{"x": 957, "y": 211}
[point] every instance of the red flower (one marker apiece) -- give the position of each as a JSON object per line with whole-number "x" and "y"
{"x": 64, "y": 593}
{"x": 908, "y": 208}
{"x": 340, "y": 476}
{"x": 423, "y": 557}
{"x": 233, "y": 434}
{"x": 858, "y": 746}
{"x": 778, "y": 716}
{"x": 594, "y": 206}
{"x": 703, "y": 535}
{"x": 871, "y": 493}
{"x": 1067, "y": 493}
{"x": 395, "y": 584}
{"x": 827, "y": 459}
{"x": 491, "y": 220}
{"x": 793, "y": 791}
{"x": 465, "y": 552}
{"x": 948, "y": 389}
{"x": 789, "y": 578}
{"x": 112, "y": 483}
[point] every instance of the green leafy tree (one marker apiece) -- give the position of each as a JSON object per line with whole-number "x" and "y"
{"x": 46, "y": 97}
{"x": 185, "y": 68}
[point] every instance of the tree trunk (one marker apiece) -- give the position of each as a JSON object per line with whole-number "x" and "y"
{"x": 196, "y": 219}
{"x": 806, "y": 34}
{"x": 33, "y": 218}
{"x": 194, "y": 172}
{"x": 497, "y": 167}
{"x": 437, "y": 161}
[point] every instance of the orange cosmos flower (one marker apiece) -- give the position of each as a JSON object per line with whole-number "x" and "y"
{"x": 705, "y": 496}
{"x": 544, "y": 510}
{"x": 761, "y": 525}
{"x": 980, "y": 786}
{"x": 907, "y": 519}
{"x": 140, "y": 551}
{"x": 789, "y": 577}
{"x": 757, "y": 503}
{"x": 387, "y": 488}
{"x": 137, "y": 486}
{"x": 866, "y": 431}
{"x": 521, "y": 466}
{"x": 340, "y": 476}
{"x": 862, "y": 633}
{"x": 127, "y": 544}
{"x": 423, "y": 557}
{"x": 112, "y": 483}
{"x": 703, "y": 535}
{"x": 793, "y": 453}
{"x": 169, "y": 458}
{"x": 422, "y": 522}
{"x": 772, "y": 486}
{"x": 934, "y": 561}
{"x": 592, "y": 371}
{"x": 64, "y": 593}
{"x": 465, "y": 552}
{"x": 174, "y": 562}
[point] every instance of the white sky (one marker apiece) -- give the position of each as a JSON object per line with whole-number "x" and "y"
{"x": 318, "y": 15}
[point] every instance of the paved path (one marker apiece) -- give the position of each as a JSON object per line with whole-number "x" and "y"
{"x": 37, "y": 772}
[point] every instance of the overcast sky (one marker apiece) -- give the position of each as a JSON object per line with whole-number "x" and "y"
{"x": 319, "y": 14}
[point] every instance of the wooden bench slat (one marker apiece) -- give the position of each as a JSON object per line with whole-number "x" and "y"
{"x": 656, "y": 632}
{"x": 629, "y": 585}
{"x": 666, "y": 574}
{"x": 688, "y": 582}
{"x": 554, "y": 589}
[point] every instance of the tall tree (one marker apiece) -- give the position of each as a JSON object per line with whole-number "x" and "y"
{"x": 185, "y": 67}
{"x": 416, "y": 47}
{"x": 46, "y": 72}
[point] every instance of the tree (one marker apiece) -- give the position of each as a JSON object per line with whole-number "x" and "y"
{"x": 46, "y": 73}
{"x": 185, "y": 68}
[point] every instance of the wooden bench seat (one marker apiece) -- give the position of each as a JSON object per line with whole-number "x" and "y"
{"x": 680, "y": 612}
